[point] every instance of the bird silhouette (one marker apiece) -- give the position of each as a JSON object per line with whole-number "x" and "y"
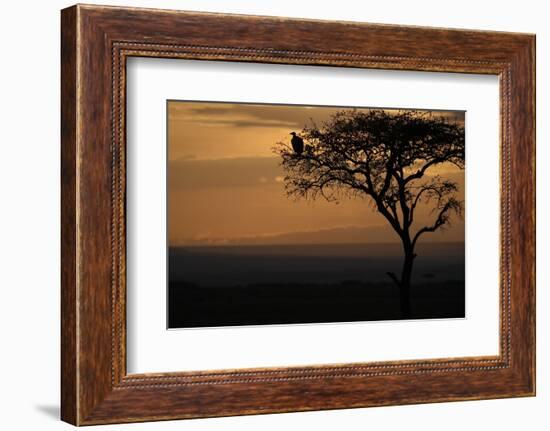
{"x": 297, "y": 143}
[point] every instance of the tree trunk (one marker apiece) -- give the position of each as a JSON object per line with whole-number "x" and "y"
{"x": 405, "y": 283}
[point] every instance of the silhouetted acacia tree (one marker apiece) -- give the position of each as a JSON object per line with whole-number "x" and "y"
{"x": 385, "y": 156}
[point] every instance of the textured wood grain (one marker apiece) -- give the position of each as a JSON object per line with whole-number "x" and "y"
{"x": 96, "y": 41}
{"x": 69, "y": 366}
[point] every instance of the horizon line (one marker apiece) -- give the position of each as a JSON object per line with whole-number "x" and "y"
{"x": 305, "y": 244}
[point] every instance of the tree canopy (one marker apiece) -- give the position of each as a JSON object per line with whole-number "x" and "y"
{"x": 383, "y": 155}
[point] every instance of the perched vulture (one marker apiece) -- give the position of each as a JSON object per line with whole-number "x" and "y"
{"x": 297, "y": 143}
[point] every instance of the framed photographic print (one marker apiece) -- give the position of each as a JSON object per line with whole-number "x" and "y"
{"x": 263, "y": 217}
{"x": 287, "y": 227}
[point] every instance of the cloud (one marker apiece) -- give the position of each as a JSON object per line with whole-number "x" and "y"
{"x": 243, "y": 115}
{"x": 238, "y": 172}
{"x": 188, "y": 157}
{"x": 246, "y": 123}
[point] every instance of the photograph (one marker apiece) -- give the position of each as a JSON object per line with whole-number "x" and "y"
{"x": 295, "y": 214}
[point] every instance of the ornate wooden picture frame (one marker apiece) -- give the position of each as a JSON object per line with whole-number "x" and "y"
{"x": 96, "y": 41}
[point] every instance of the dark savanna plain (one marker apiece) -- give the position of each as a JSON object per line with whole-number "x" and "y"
{"x": 243, "y": 252}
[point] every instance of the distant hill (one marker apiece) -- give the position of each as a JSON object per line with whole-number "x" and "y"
{"x": 341, "y": 235}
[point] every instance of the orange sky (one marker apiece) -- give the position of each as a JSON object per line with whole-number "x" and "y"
{"x": 225, "y": 185}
